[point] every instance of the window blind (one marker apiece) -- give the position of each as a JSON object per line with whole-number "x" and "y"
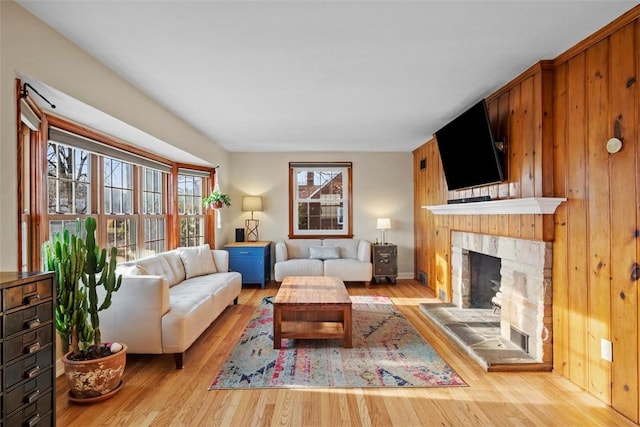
{"x": 67, "y": 138}
{"x": 194, "y": 172}
{"x": 28, "y": 117}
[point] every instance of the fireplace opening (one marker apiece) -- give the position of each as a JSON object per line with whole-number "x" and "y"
{"x": 485, "y": 279}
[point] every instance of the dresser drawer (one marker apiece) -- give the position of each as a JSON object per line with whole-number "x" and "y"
{"x": 28, "y": 318}
{"x": 37, "y": 413}
{"x": 28, "y": 392}
{"x": 28, "y": 343}
{"x": 27, "y": 295}
{"x": 29, "y": 367}
{"x": 246, "y": 252}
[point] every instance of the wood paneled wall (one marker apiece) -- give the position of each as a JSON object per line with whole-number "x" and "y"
{"x": 556, "y": 118}
{"x": 520, "y": 115}
{"x": 597, "y": 242}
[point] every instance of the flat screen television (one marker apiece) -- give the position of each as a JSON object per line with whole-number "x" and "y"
{"x": 468, "y": 150}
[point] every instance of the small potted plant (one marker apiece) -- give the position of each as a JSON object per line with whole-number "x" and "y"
{"x": 93, "y": 369}
{"x": 217, "y": 200}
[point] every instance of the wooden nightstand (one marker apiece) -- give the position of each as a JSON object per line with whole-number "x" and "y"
{"x": 252, "y": 260}
{"x": 385, "y": 262}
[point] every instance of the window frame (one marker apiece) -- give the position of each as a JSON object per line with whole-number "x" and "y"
{"x": 35, "y": 216}
{"x": 202, "y": 213}
{"x": 347, "y": 199}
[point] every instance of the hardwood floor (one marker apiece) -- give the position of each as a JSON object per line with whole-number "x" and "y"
{"x": 156, "y": 394}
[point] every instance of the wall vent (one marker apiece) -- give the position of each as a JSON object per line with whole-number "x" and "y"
{"x": 422, "y": 278}
{"x": 520, "y": 339}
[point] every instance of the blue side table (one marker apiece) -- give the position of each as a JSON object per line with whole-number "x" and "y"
{"x": 252, "y": 260}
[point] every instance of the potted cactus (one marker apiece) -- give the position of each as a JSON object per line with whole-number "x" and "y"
{"x": 82, "y": 270}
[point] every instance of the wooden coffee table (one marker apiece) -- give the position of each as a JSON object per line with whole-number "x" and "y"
{"x": 312, "y": 307}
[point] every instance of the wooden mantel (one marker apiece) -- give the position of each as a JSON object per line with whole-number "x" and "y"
{"x": 529, "y": 205}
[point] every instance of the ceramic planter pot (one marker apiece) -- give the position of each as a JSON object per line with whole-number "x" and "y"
{"x": 97, "y": 379}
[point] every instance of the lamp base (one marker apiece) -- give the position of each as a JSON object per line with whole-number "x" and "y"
{"x": 252, "y": 229}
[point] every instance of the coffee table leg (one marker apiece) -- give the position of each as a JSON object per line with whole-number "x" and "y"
{"x": 347, "y": 327}
{"x": 277, "y": 326}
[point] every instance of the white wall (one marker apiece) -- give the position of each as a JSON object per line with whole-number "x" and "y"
{"x": 382, "y": 182}
{"x": 30, "y": 47}
{"x": 382, "y": 187}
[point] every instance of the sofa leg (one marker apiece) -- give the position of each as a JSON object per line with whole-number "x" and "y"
{"x": 367, "y": 283}
{"x": 235, "y": 301}
{"x": 179, "y": 358}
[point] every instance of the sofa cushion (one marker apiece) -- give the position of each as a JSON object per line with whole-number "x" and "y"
{"x": 324, "y": 252}
{"x": 208, "y": 284}
{"x": 348, "y": 247}
{"x": 176, "y": 265}
{"x": 131, "y": 270}
{"x": 298, "y": 267}
{"x": 156, "y": 266}
{"x": 348, "y": 269}
{"x": 197, "y": 261}
{"x": 299, "y": 248}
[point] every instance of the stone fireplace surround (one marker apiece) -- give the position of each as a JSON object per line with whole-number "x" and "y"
{"x": 525, "y": 285}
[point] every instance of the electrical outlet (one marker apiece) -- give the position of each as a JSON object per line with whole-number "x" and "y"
{"x": 606, "y": 350}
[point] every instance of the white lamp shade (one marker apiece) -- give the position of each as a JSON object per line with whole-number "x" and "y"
{"x": 383, "y": 224}
{"x": 252, "y": 203}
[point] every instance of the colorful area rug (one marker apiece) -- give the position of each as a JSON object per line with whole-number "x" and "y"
{"x": 387, "y": 352}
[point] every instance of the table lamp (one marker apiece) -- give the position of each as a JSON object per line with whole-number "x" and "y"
{"x": 383, "y": 224}
{"x": 252, "y": 204}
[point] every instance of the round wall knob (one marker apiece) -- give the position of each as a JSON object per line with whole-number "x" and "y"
{"x": 614, "y": 145}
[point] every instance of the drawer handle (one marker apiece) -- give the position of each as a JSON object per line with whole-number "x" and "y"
{"x": 32, "y": 299}
{"x": 33, "y": 347}
{"x": 33, "y": 323}
{"x": 34, "y": 420}
{"x": 244, "y": 252}
{"x": 33, "y": 372}
{"x": 32, "y": 397}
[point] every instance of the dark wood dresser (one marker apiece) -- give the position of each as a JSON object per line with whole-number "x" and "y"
{"x": 27, "y": 342}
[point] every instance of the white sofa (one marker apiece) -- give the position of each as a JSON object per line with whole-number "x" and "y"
{"x": 348, "y": 259}
{"x": 167, "y": 300}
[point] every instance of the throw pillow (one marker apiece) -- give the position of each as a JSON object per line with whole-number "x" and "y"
{"x": 197, "y": 261}
{"x": 324, "y": 252}
{"x": 131, "y": 270}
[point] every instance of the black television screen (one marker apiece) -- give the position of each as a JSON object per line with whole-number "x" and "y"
{"x": 468, "y": 151}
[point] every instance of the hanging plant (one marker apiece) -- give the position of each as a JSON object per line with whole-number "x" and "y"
{"x": 217, "y": 200}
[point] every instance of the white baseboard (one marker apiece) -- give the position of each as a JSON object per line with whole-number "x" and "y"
{"x": 59, "y": 367}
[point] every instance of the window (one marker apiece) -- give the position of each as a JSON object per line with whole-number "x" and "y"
{"x": 68, "y": 180}
{"x": 69, "y": 183}
{"x": 118, "y": 207}
{"x": 74, "y": 172}
{"x": 152, "y": 211}
{"x": 320, "y": 200}
{"x": 191, "y": 214}
{"x": 127, "y": 195}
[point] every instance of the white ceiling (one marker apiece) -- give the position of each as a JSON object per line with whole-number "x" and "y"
{"x": 322, "y": 75}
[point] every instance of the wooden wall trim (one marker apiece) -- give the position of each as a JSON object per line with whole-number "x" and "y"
{"x": 536, "y": 68}
{"x": 19, "y": 165}
{"x": 606, "y": 31}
